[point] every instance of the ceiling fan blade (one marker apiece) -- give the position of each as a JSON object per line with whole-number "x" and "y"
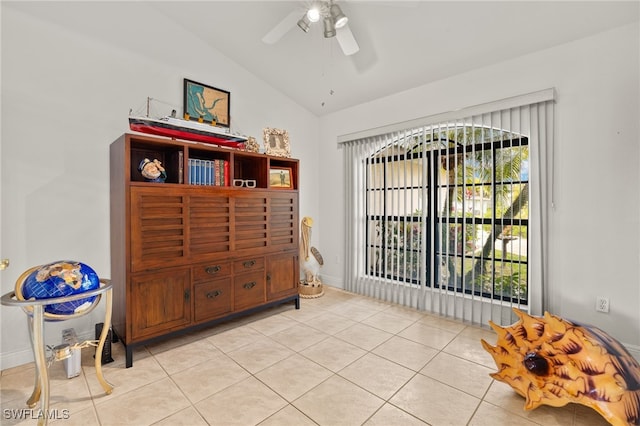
{"x": 282, "y": 28}
{"x": 346, "y": 40}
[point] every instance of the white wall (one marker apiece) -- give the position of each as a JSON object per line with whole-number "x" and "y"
{"x": 594, "y": 246}
{"x": 65, "y": 97}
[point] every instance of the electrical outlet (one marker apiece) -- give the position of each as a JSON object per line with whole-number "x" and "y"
{"x": 602, "y": 304}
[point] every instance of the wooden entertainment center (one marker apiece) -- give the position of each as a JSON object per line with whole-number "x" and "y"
{"x": 185, "y": 254}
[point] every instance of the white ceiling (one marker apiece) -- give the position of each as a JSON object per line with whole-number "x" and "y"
{"x": 403, "y": 44}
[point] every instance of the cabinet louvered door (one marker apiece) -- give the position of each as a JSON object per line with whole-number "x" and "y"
{"x": 283, "y": 220}
{"x": 209, "y": 227}
{"x": 157, "y": 228}
{"x": 250, "y": 221}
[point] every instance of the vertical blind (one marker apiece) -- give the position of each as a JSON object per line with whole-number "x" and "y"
{"x": 448, "y": 213}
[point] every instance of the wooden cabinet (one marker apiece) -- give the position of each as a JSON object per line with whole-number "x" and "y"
{"x": 195, "y": 249}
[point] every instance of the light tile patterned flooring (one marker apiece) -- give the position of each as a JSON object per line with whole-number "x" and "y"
{"x": 342, "y": 359}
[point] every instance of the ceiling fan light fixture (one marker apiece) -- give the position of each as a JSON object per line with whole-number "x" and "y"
{"x": 313, "y": 14}
{"x": 303, "y": 23}
{"x": 329, "y": 27}
{"x": 338, "y": 17}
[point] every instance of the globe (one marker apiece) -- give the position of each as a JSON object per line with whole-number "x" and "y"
{"x": 59, "y": 279}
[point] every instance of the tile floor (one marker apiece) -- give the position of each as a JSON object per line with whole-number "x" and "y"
{"x": 342, "y": 359}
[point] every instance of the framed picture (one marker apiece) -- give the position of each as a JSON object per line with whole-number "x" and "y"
{"x": 276, "y": 142}
{"x": 280, "y": 177}
{"x": 206, "y": 103}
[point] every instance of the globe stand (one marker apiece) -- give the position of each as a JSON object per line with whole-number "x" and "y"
{"x": 36, "y": 316}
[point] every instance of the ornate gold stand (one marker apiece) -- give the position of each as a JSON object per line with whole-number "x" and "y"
{"x": 36, "y": 316}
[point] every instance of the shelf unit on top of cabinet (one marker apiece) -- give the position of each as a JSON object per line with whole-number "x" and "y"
{"x": 175, "y": 157}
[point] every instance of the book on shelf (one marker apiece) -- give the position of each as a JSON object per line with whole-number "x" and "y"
{"x": 208, "y": 172}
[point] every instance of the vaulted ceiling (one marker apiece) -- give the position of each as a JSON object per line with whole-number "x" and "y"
{"x": 403, "y": 44}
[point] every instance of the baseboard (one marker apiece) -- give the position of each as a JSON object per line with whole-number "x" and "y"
{"x": 333, "y": 281}
{"x": 25, "y": 356}
{"x": 14, "y": 359}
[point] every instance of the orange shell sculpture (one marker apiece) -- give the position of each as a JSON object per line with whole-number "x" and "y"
{"x": 552, "y": 361}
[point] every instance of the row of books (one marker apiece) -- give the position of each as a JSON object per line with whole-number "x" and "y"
{"x": 208, "y": 172}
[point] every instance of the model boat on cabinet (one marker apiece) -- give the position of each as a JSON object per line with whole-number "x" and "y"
{"x": 176, "y": 128}
{"x": 188, "y": 130}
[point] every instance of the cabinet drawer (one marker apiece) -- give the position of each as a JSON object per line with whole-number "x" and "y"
{"x": 211, "y": 270}
{"x": 248, "y": 290}
{"x": 248, "y": 265}
{"x": 212, "y": 299}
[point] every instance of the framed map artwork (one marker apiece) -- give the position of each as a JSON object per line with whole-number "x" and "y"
{"x": 207, "y": 104}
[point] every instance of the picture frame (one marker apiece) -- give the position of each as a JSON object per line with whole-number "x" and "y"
{"x": 276, "y": 142}
{"x": 280, "y": 178}
{"x": 207, "y": 104}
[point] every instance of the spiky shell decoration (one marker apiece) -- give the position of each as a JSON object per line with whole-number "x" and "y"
{"x": 552, "y": 361}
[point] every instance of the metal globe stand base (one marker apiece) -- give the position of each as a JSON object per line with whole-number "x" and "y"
{"x": 36, "y": 316}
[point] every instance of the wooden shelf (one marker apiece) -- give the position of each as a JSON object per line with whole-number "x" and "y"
{"x": 175, "y": 155}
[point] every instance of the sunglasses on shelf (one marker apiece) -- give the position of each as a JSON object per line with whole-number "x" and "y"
{"x": 249, "y": 183}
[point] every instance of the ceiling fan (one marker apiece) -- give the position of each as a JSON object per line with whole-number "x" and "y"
{"x": 334, "y": 21}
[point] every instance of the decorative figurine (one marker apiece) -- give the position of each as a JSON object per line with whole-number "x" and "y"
{"x": 152, "y": 171}
{"x": 251, "y": 145}
{"x": 549, "y": 360}
{"x": 310, "y": 262}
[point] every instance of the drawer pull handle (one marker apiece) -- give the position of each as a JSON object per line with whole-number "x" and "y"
{"x": 214, "y": 294}
{"x": 212, "y": 270}
{"x": 250, "y": 285}
{"x": 187, "y": 295}
{"x": 249, "y": 263}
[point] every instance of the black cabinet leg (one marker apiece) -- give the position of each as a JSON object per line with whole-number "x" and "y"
{"x": 129, "y": 351}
